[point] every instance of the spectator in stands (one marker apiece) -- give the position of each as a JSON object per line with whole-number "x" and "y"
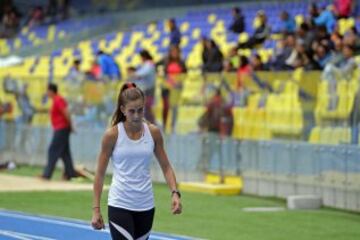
{"x": 238, "y": 23}
{"x": 283, "y": 52}
{"x": 305, "y": 35}
{"x": 145, "y": 77}
{"x": 52, "y": 10}
{"x": 175, "y": 35}
{"x": 109, "y": 67}
{"x": 313, "y": 13}
{"x": 174, "y": 66}
{"x": 60, "y": 145}
{"x": 218, "y": 116}
{"x": 25, "y": 105}
{"x": 351, "y": 38}
{"x": 262, "y": 32}
{"x": 212, "y": 56}
{"x": 231, "y": 62}
{"x": 288, "y": 24}
{"x": 256, "y": 63}
{"x": 95, "y": 71}
{"x": 326, "y": 18}
{"x": 342, "y": 70}
{"x": 10, "y": 22}
{"x": 75, "y": 75}
{"x": 243, "y": 71}
{"x": 36, "y": 17}
{"x": 343, "y": 8}
{"x": 321, "y": 37}
{"x": 322, "y": 56}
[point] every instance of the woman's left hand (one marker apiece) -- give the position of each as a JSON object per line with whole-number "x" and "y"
{"x": 176, "y": 207}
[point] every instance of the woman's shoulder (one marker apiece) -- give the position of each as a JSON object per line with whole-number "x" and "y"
{"x": 111, "y": 134}
{"x": 154, "y": 130}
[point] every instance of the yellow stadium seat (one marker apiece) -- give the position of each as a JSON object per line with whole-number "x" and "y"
{"x": 184, "y": 27}
{"x": 211, "y": 18}
{"x": 196, "y": 33}
{"x": 315, "y": 135}
{"x": 187, "y": 119}
{"x": 299, "y": 19}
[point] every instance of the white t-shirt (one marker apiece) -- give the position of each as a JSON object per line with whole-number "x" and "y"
{"x": 131, "y": 186}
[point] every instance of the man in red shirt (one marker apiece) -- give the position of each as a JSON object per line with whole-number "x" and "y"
{"x": 60, "y": 144}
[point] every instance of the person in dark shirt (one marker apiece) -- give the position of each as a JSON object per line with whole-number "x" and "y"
{"x": 238, "y": 23}
{"x": 175, "y": 35}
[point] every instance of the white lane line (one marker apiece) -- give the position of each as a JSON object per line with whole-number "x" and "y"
{"x": 13, "y": 235}
{"x": 38, "y": 219}
{"x": 20, "y": 235}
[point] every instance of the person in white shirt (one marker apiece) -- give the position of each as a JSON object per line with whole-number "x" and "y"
{"x": 130, "y": 143}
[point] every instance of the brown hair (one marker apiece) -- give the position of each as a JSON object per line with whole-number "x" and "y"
{"x": 129, "y": 92}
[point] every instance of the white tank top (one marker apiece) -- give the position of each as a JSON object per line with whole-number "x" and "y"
{"x": 131, "y": 186}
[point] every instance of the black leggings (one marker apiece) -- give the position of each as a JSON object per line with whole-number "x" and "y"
{"x": 130, "y": 225}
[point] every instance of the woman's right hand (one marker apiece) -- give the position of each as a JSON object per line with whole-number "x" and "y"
{"x": 97, "y": 221}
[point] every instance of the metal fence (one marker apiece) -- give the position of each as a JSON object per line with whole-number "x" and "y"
{"x": 269, "y": 168}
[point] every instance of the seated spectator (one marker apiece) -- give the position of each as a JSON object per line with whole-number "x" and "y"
{"x": 261, "y": 33}
{"x": 75, "y": 76}
{"x": 256, "y": 63}
{"x": 238, "y": 23}
{"x": 305, "y": 35}
{"x": 95, "y": 71}
{"x": 109, "y": 67}
{"x": 231, "y": 63}
{"x": 352, "y": 39}
{"x": 322, "y": 56}
{"x": 170, "y": 93}
{"x": 175, "y": 35}
{"x": 10, "y": 22}
{"x": 323, "y": 37}
{"x": 283, "y": 52}
{"x": 212, "y": 57}
{"x": 288, "y": 24}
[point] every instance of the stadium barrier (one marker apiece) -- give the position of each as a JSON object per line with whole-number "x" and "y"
{"x": 269, "y": 168}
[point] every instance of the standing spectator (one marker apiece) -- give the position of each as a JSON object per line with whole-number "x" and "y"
{"x": 313, "y": 13}
{"x": 343, "y": 8}
{"x": 212, "y": 56}
{"x": 175, "y": 35}
{"x": 109, "y": 67}
{"x": 36, "y": 17}
{"x": 238, "y": 22}
{"x": 60, "y": 143}
{"x": 173, "y": 66}
{"x": 145, "y": 77}
{"x": 326, "y": 18}
{"x": 218, "y": 116}
{"x": 261, "y": 33}
{"x": 288, "y": 24}
{"x": 243, "y": 71}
